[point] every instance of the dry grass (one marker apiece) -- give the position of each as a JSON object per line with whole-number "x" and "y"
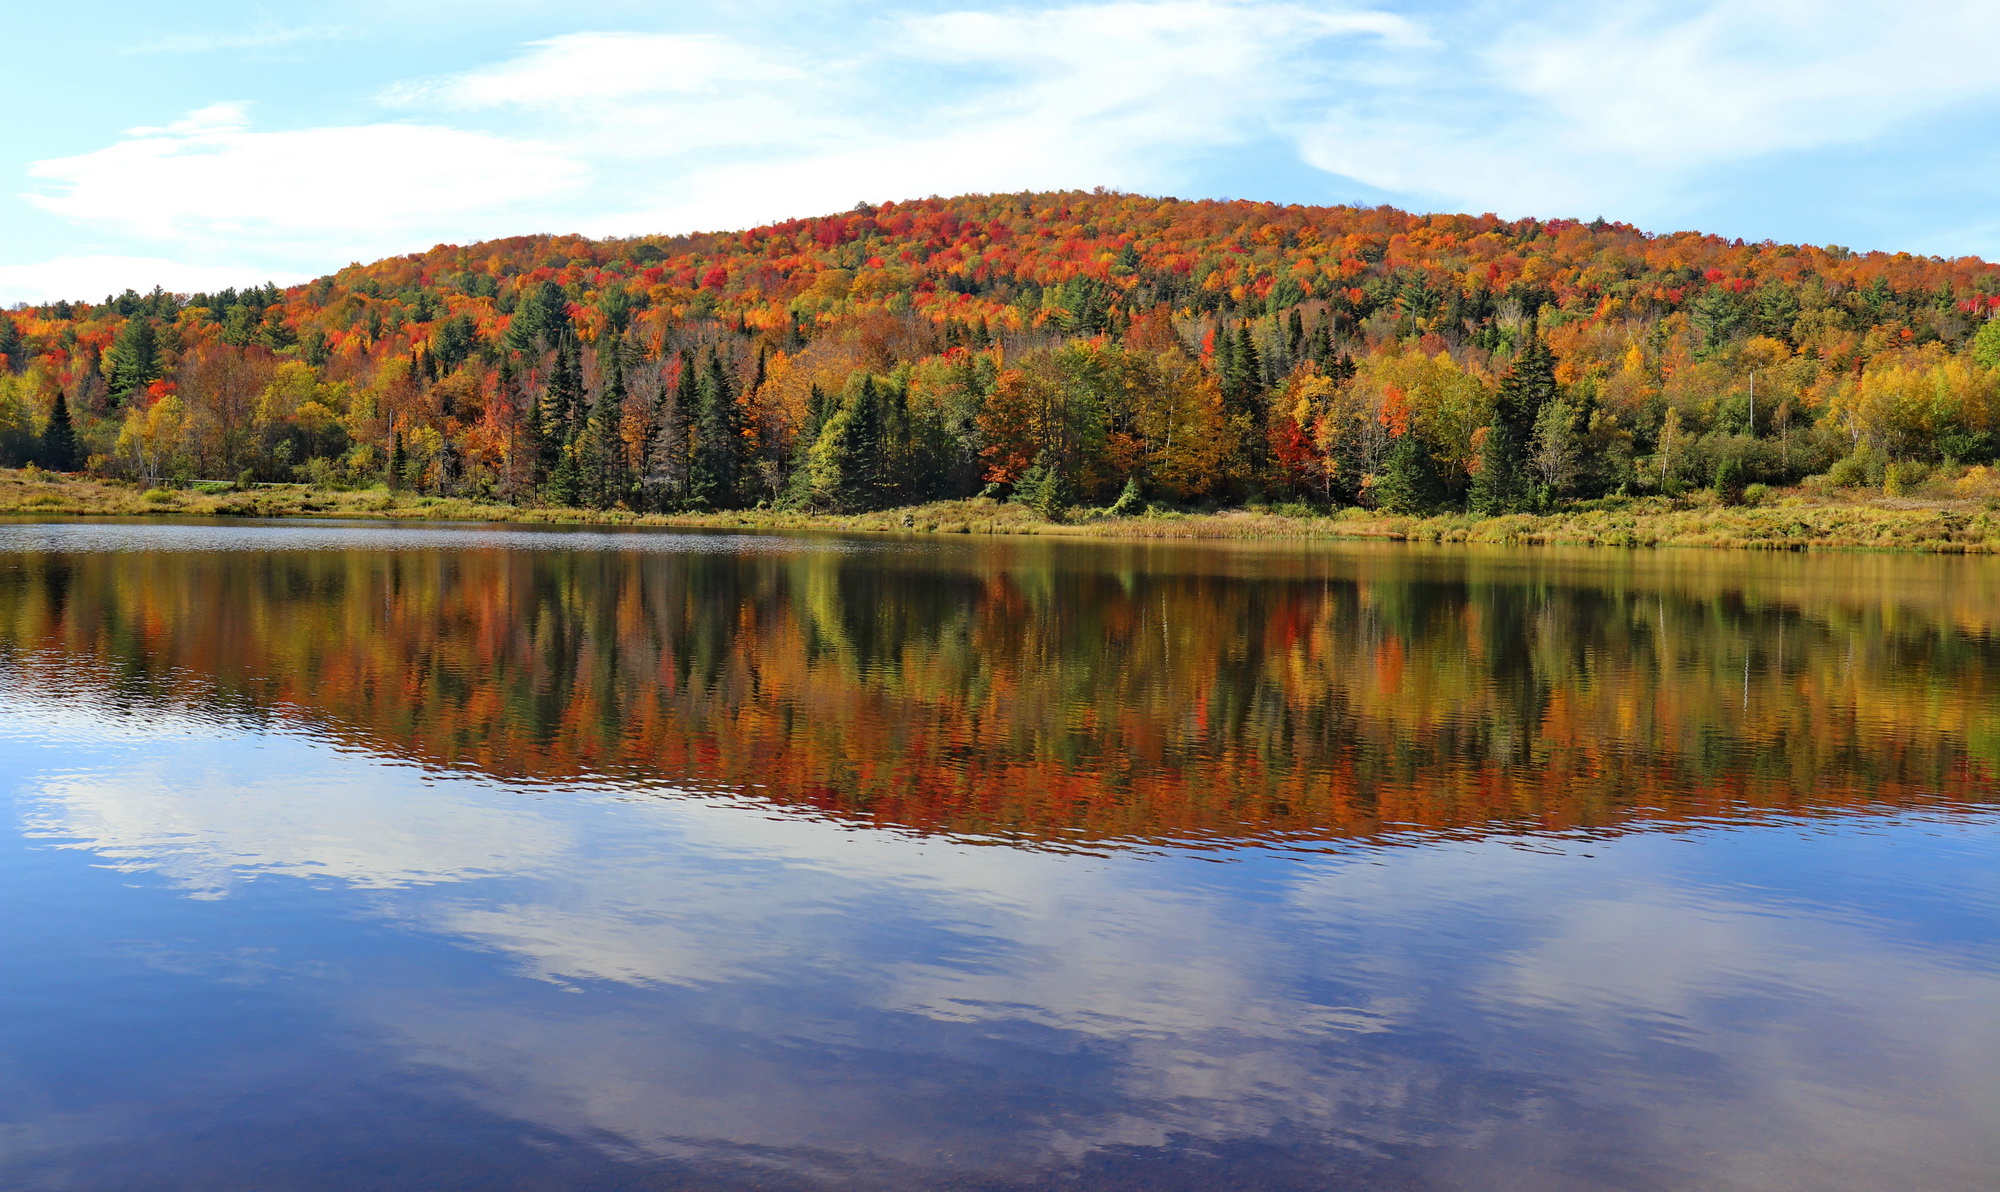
{"x": 1948, "y": 522}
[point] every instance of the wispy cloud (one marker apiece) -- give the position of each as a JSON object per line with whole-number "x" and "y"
{"x": 1633, "y": 107}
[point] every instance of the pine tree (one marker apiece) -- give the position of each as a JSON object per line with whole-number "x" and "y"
{"x": 671, "y": 461}
{"x": 1249, "y": 367}
{"x": 1504, "y": 483}
{"x": 846, "y": 462}
{"x": 1409, "y": 482}
{"x": 715, "y": 475}
{"x": 395, "y": 477}
{"x": 564, "y": 396}
{"x": 565, "y": 486}
{"x": 59, "y": 448}
{"x": 134, "y": 360}
{"x": 1499, "y": 487}
{"x": 603, "y": 465}
{"x": 12, "y": 345}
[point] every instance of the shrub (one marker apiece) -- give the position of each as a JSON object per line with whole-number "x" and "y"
{"x": 1865, "y": 468}
{"x": 1902, "y": 476}
{"x": 1131, "y": 501}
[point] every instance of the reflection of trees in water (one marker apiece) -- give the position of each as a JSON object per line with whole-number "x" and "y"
{"x": 1010, "y": 690}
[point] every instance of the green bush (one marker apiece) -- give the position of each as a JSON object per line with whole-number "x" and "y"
{"x": 1131, "y": 501}
{"x": 1865, "y": 468}
{"x": 1902, "y": 476}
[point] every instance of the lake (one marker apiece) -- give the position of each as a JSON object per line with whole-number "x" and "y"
{"x": 349, "y": 856}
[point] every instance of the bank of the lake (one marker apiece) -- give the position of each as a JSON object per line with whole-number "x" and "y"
{"x": 1787, "y": 520}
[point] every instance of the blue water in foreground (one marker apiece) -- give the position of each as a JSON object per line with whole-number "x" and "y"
{"x": 246, "y": 953}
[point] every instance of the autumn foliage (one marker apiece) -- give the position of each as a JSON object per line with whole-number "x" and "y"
{"x": 1059, "y": 348}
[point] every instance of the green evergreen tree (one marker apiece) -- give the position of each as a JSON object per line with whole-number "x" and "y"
{"x": 1409, "y": 482}
{"x": 1505, "y": 483}
{"x": 541, "y": 322}
{"x": 1246, "y": 382}
{"x": 1055, "y": 496}
{"x": 846, "y": 461}
{"x": 603, "y": 465}
{"x": 671, "y": 459}
{"x": 59, "y": 450}
{"x": 134, "y": 360}
{"x": 1131, "y": 499}
{"x": 565, "y": 487}
{"x": 564, "y": 397}
{"x": 13, "y": 345}
{"x": 1499, "y": 486}
{"x": 395, "y": 476}
{"x": 715, "y": 474}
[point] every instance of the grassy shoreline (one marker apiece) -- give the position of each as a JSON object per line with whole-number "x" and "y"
{"x": 1789, "y": 521}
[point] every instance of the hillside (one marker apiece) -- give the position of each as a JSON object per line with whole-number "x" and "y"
{"x": 1064, "y": 349}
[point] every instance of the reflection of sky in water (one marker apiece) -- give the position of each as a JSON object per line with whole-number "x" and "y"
{"x": 242, "y": 957}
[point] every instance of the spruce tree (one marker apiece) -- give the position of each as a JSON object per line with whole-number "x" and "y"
{"x": 1249, "y": 369}
{"x": 671, "y": 460}
{"x": 395, "y": 477}
{"x": 12, "y": 345}
{"x": 846, "y": 462}
{"x": 565, "y": 485}
{"x": 134, "y": 360}
{"x": 715, "y": 474}
{"x": 60, "y": 451}
{"x": 1409, "y": 482}
{"x": 1505, "y": 483}
{"x": 565, "y": 398}
{"x": 603, "y": 466}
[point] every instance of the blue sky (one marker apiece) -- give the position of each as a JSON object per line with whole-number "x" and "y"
{"x": 200, "y": 144}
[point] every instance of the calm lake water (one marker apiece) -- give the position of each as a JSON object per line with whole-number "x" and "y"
{"x": 363, "y": 857}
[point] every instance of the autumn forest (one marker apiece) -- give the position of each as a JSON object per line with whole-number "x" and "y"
{"x": 1069, "y": 350}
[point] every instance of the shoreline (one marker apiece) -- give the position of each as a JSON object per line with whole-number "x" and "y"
{"x": 1792, "y": 520}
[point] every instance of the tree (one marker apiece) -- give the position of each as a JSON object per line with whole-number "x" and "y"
{"x": 541, "y": 321}
{"x": 134, "y": 360}
{"x": 59, "y": 448}
{"x": 715, "y": 474}
{"x": 1504, "y": 483}
{"x": 12, "y": 345}
{"x": 1557, "y": 454}
{"x": 846, "y": 461}
{"x": 1986, "y": 344}
{"x": 670, "y": 461}
{"x": 602, "y": 466}
{"x": 1408, "y": 482}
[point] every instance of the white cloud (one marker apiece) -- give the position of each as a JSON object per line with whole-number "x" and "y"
{"x": 1627, "y": 108}
{"x": 1119, "y": 95}
{"x": 209, "y": 178}
{"x": 587, "y": 68}
{"x": 93, "y": 277}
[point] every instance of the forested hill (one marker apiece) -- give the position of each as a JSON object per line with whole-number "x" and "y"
{"x": 1076, "y": 348}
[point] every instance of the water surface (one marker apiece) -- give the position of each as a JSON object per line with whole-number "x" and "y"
{"x": 373, "y": 857}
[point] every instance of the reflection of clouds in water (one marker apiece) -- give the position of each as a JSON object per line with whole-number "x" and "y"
{"x": 273, "y": 804}
{"x": 754, "y": 984}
